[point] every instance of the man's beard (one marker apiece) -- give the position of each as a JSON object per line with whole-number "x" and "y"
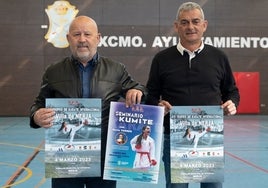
{"x": 84, "y": 57}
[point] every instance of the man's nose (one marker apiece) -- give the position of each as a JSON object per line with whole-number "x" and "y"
{"x": 82, "y": 38}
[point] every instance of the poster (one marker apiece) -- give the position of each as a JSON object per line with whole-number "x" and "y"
{"x": 196, "y": 141}
{"x": 72, "y": 144}
{"x": 134, "y": 143}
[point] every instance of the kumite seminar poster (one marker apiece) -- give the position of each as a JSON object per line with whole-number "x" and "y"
{"x": 134, "y": 143}
{"x": 72, "y": 147}
{"x": 196, "y": 141}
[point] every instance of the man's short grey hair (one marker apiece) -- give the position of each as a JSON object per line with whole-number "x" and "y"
{"x": 189, "y": 6}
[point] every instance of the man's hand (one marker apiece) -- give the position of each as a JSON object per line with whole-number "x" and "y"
{"x": 44, "y": 117}
{"x": 133, "y": 97}
{"x": 229, "y": 108}
{"x": 166, "y": 105}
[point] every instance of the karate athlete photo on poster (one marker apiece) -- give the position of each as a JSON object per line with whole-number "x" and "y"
{"x": 72, "y": 147}
{"x": 196, "y": 141}
{"x": 134, "y": 143}
{"x": 144, "y": 146}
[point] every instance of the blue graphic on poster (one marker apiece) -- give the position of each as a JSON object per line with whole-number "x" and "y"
{"x": 72, "y": 144}
{"x": 134, "y": 143}
{"x": 196, "y": 141}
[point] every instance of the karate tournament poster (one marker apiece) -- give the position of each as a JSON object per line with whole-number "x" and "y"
{"x": 72, "y": 144}
{"x": 134, "y": 143}
{"x": 196, "y": 141}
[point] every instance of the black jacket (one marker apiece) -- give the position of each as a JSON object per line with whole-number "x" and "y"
{"x": 110, "y": 81}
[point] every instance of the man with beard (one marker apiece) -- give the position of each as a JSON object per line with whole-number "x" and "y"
{"x": 85, "y": 74}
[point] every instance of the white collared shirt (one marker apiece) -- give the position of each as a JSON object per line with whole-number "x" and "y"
{"x": 181, "y": 49}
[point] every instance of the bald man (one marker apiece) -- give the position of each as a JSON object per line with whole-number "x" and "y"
{"x": 85, "y": 74}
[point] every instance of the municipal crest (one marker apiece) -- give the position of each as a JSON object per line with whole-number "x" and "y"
{"x": 60, "y": 14}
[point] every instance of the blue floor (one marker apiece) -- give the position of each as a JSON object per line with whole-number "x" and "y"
{"x": 246, "y": 154}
